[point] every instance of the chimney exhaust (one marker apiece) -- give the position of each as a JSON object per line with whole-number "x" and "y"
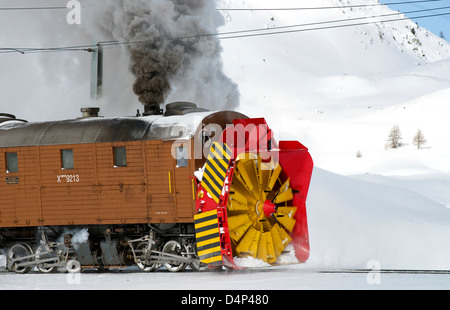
{"x": 90, "y": 112}
{"x": 152, "y": 110}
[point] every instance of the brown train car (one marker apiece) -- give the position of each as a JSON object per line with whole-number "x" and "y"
{"x": 125, "y": 181}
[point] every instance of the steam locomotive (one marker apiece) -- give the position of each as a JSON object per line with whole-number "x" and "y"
{"x": 187, "y": 188}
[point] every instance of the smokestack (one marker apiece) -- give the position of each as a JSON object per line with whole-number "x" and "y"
{"x": 89, "y": 112}
{"x": 152, "y": 110}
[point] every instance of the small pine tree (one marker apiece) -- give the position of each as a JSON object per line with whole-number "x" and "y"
{"x": 395, "y": 137}
{"x": 419, "y": 139}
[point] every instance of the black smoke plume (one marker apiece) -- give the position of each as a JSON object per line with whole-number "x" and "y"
{"x": 171, "y": 51}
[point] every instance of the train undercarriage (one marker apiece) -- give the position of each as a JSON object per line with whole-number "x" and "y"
{"x": 148, "y": 247}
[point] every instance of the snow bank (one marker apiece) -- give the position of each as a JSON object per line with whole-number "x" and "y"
{"x": 353, "y": 221}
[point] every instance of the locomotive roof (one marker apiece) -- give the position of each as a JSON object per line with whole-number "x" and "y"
{"x": 97, "y": 129}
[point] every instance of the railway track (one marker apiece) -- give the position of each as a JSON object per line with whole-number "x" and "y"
{"x": 288, "y": 269}
{"x": 399, "y": 271}
{"x": 349, "y": 271}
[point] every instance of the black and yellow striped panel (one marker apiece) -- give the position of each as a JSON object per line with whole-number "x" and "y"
{"x": 216, "y": 170}
{"x": 207, "y": 237}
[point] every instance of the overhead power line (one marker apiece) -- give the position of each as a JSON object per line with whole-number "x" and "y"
{"x": 422, "y": 7}
{"x": 245, "y": 9}
{"x": 34, "y": 8}
{"x": 326, "y": 7}
{"x": 331, "y": 21}
{"x": 328, "y": 27}
{"x": 242, "y": 33}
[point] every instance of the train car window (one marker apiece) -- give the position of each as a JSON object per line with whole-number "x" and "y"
{"x": 67, "y": 159}
{"x": 12, "y": 164}
{"x": 120, "y": 157}
{"x": 182, "y": 156}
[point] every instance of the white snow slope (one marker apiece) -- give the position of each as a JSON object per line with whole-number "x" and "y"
{"x": 339, "y": 92}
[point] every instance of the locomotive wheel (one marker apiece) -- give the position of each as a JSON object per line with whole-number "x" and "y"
{"x": 42, "y": 267}
{"x": 260, "y": 210}
{"x": 174, "y": 247}
{"x": 18, "y": 251}
{"x": 142, "y": 252}
{"x": 196, "y": 265}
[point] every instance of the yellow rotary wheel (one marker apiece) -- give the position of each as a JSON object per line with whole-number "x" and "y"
{"x": 260, "y": 210}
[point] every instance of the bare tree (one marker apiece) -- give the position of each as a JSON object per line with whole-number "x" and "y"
{"x": 419, "y": 139}
{"x": 394, "y": 140}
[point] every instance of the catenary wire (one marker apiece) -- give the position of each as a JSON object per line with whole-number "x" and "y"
{"x": 329, "y": 27}
{"x": 33, "y": 8}
{"x": 243, "y": 9}
{"x": 233, "y": 34}
{"x": 325, "y": 7}
{"x": 327, "y": 22}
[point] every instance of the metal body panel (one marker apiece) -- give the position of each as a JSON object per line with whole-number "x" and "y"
{"x": 151, "y": 188}
{"x": 99, "y": 130}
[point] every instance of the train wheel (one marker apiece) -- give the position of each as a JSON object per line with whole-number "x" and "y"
{"x": 41, "y": 253}
{"x": 196, "y": 265}
{"x": 174, "y": 247}
{"x": 260, "y": 210}
{"x": 142, "y": 254}
{"x": 17, "y": 251}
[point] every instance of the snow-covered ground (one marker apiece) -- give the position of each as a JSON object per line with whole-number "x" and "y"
{"x": 268, "y": 279}
{"x": 339, "y": 92}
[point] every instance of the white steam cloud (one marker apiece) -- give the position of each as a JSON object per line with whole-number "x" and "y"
{"x": 79, "y": 236}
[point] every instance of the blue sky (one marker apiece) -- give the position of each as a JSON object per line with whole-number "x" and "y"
{"x": 434, "y": 24}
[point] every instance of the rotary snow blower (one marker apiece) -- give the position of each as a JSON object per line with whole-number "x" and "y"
{"x": 251, "y": 197}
